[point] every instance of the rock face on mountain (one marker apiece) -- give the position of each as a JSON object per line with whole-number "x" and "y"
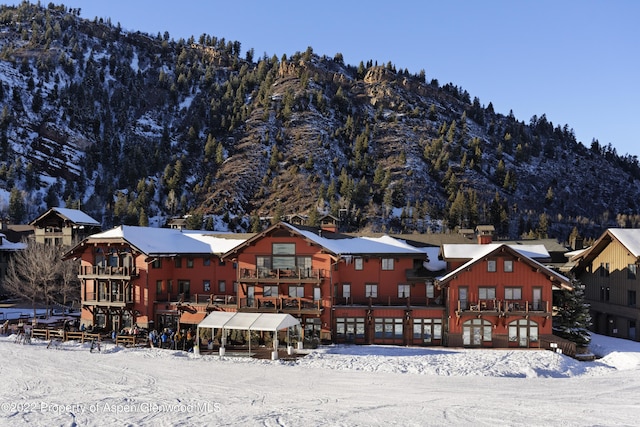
{"x": 136, "y": 128}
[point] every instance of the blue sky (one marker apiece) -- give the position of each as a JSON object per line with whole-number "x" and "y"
{"x": 577, "y": 61}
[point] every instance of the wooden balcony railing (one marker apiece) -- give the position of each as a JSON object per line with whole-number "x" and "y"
{"x": 99, "y": 270}
{"x": 108, "y": 298}
{"x": 494, "y": 305}
{"x": 280, "y": 304}
{"x": 388, "y": 301}
{"x": 208, "y": 299}
{"x": 297, "y": 274}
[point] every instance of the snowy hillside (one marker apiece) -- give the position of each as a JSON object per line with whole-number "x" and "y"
{"x": 337, "y": 385}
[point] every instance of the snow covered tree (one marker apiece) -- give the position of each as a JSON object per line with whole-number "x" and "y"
{"x": 573, "y": 319}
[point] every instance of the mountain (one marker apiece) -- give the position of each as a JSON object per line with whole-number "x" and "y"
{"x": 135, "y": 128}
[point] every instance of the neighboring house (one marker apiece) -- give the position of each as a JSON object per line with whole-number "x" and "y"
{"x": 609, "y": 271}
{"x": 63, "y": 226}
{"x": 342, "y": 288}
{"x": 7, "y": 248}
{"x": 498, "y": 295}
{"x": 154, "y": 277}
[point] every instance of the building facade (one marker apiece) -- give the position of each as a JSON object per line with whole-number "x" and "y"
{"x": 609, "y": 271}
{"x": 499, "y": 295}
{"x": 63, "y": 226}
{"x": 153, "y": 277}
{"x": 342, "y": 288}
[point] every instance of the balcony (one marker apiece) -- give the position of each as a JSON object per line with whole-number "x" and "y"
{"x": 281, "y": 305}
{"x": 197, "y": 299}
{"x": 98, "y": 271}
{"x": 280, "y": 275}
{"x": 503, "y": 306}
{"x": 387, "y": 301}
{"x": 116, "y": 299}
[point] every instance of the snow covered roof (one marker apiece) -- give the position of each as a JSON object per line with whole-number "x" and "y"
{"x": 471, "y": 251}
{"x": 169, "y": 241}
{"x": 359, "y": 245}
{"x": 629, "y": 237}
{"x": 74, "y": 215}
{"x": 6, "y": 245}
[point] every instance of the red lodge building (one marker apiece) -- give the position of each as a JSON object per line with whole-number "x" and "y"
{"x": 342, "y": 288}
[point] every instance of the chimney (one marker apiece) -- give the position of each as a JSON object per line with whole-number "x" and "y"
{"x": 485, "y": 234}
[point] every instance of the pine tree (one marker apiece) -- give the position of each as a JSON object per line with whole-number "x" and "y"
{"x": 573, "y": 319}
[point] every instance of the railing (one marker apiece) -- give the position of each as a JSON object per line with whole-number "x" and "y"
{"x": 280, "y": 273}
{"x": 99, "y": 270}
{"x": 197, "y": 298}
{"x": 94, "y": 297}
{"x": 494, "y": 305}
{"x": 280, "y": 304}
{"x": 388, "y": 301}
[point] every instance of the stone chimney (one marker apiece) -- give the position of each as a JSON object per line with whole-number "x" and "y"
{"x": 485, "y": 234}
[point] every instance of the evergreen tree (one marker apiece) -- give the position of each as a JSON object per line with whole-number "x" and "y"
{"x": 573, "y": 319}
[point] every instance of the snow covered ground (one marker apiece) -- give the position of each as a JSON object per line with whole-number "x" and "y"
{"x": 339, "y": 385}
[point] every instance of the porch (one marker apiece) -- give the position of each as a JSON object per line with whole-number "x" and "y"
{"x": 293, "y": 305}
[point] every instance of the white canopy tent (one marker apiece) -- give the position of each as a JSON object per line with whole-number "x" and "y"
{"x": 224, "y": 320}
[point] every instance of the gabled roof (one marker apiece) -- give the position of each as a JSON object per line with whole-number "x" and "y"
{"x": 339, "y": 245}
{"x": 470, "y": 251}
{"x": 629, "y": 238}
{"x": 73, "y": 215}
{"x": 165, "y": 241}
{"x": 489, "y": 250}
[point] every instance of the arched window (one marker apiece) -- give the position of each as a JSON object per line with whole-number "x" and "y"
{"x": 523, "y": 332}
{"x": 476, "y": 331}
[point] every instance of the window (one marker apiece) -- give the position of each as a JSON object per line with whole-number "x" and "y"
{"x": 178, "y": 262}
{"x": 235, "y": 288}
{"x": 491, "y": 265}
{"x": 632, "y": 271}
{"x": 508, "y": 265}
{"x": 206, "y": 262}
{"x": 206, "y": 285}
{"x": 169, "y": 286}
{"x": 476, "y": 331}
{"x": 296, "y": 291}
{"x": 349, "y": 328}
{"x": 387, "y": 263}
{"x": 316, "y": 294}
{"x": 222, "y": 286}
{"x": 189, "y": 262}
{"x": 158, "y": 287}
{"x": 371, "y": 290}
{"x": 486, "y": 293}
{"x": 346, "y": 290}
{"x": 462, "y": 297}
{"x": 404, "y": 291}
{"x": 604, "y": 269}
{"x": 430, "y": 290}
{"x": 156, "y": 263}
{"x": 270, "y": 291}
{"x": 513, "y": 293}
{"x": 283, "y": 248}
{"x": 388, "y": 328}
{"x": 523, "y": 332}
{"x": 184, "y": 288}
{"x": 358, "y": 265}
{"x": 631, "y": 298}
{"x": 427, "y": 330}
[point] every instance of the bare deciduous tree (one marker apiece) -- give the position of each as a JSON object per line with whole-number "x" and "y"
{"x": 38, "y": 275}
